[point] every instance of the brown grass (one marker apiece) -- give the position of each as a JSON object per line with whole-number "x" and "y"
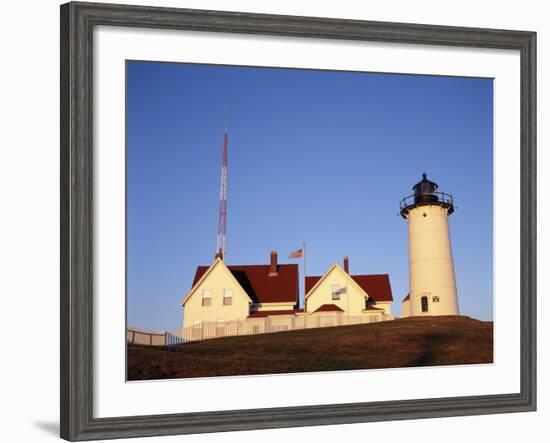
{"x": 426, "y": 341}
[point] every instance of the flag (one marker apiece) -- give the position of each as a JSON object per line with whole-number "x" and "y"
{"x": 297, "y": 254}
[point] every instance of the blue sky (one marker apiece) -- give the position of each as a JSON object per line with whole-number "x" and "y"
{"x": 317, "y": 156}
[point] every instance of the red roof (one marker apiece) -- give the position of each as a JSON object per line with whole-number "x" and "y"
{"x": 328, "y": 308}
{"x": 259, "y": 286}
{"x": 377, "y": 285}
{"x": 407, "y": 297}
{"x": 259, "y": 314}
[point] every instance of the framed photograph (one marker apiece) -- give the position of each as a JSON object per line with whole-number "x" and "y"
{"x": 273, "y": 221}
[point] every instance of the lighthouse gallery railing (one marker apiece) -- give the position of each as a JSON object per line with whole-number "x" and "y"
{"x": 427, "y": 198}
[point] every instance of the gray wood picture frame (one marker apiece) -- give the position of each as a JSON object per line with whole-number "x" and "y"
{"x": 77, "y": 23}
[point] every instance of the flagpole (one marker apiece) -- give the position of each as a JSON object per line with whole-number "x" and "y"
{"x": 304, "y": 257}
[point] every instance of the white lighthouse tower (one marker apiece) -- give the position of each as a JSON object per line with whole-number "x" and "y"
{"x": 432, "y": 284}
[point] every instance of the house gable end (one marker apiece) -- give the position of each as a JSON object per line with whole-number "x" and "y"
{"x": 351, "y": 300}
{"x": 217, "y": 266}
{"x": 336, "y": 269}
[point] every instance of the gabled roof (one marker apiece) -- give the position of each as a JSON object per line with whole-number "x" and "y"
{"x": 207, "y": 270}
{"x": 319, "y": 279}
{"x": 377, "y": 286}
{"x": 261, "y": 288}
{"x": 407, "y": 297}
{"x": 328, "y": 308}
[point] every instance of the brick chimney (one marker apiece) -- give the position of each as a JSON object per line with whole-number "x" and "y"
{"x": 346, "y": 264}
{"x": 273, "y": 265}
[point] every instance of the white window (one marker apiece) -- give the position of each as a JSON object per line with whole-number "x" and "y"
{"x": 227, "y": 297}
{"x": 336, "y": 292}
{"x": 207, "y": 297}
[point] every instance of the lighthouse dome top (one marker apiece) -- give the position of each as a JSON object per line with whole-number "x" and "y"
{"x": 425, "y": 186}
{"x": 426, "y": 192}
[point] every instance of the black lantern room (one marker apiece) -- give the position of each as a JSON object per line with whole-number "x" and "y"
{"x": 425, "y": 192}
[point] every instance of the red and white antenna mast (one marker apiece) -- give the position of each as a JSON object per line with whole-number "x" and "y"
{"x": 222, "y": 211}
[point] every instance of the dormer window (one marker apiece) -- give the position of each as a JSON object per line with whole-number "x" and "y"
{"x": 207, "y": 297}
{"x": 227, "y": 297}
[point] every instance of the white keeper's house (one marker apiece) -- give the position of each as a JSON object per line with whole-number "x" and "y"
{"x": 223, "y": 293}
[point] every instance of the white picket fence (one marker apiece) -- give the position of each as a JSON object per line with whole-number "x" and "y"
{"x": 142, "y": 337}
{"x": 249, "y": 326}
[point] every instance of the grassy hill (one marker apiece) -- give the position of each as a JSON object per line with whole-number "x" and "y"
{"x": 419, "y": 341}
